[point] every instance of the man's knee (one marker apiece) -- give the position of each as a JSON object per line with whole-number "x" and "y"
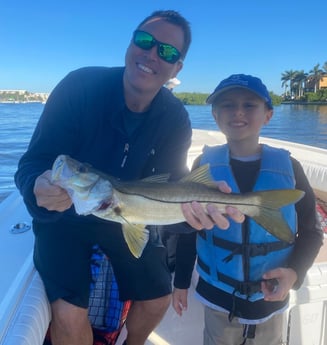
{"x": 156, "y": 306}
{"x": 68, "y": 316}
{"x": 143, "y": 317}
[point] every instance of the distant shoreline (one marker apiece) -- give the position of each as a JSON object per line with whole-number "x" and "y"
{"x": 23, "y": 102}
{"x": 304, "y": 103}
{"x": 284, "y": 102}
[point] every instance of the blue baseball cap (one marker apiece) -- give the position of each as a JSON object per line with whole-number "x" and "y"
{"x": 244, "y": 81}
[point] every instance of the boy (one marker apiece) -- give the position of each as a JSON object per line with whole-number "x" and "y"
{"x": 245, "y": 273}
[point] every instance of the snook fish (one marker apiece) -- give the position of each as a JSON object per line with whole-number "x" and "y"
{"x": 155, "y": 201}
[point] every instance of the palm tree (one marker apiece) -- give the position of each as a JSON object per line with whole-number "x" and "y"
{"x": 324, "y": 67}
{"x": 316, "y": 74}
{"x": 285, "y": 79}
{"x": 288, "y": 76}
{"x": 299, "y": 81}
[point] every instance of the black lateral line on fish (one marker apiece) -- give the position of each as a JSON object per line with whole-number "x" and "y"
{"x": 178, "y": 201}
{"x": 224, "y": 202}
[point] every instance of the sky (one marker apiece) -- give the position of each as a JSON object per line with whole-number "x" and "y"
{"x": 42, "y": 41}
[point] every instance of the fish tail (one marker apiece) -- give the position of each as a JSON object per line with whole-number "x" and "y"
{"x": 274, "y": 223}
{"x": 275, "y": 199}
{"x": 269, "y": 215}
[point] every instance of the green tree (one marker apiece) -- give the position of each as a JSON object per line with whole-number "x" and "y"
{"x": 316, "y": 75}
{"x": 192, "y": 98}
{"x": 276, "y": 100}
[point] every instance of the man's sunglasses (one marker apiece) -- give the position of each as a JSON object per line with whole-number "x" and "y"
{"x": 165, "y": 51}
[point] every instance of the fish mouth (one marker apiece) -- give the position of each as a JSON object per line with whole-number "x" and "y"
{"x": 105, "y": 205}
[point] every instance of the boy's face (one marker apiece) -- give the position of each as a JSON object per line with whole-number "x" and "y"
{"x": 240, "y": 113}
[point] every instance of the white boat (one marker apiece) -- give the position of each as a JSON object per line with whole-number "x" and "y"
{"x": 25, "y": 312}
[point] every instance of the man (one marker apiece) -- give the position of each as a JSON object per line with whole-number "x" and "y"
{"x": 123, "y": 122}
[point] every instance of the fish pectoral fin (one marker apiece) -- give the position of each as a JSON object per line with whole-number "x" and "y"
{"x": 274, "y": 223}
{"x": 136, "y": 237}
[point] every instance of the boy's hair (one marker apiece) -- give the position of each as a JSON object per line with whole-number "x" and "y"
{"x": 174, "y": 18}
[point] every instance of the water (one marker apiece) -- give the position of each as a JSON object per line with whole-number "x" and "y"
{"x": 298, "y": 123}
{"x": 304, "y": 124}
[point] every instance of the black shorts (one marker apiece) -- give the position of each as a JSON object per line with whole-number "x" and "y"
{"x": 62, "y": 254}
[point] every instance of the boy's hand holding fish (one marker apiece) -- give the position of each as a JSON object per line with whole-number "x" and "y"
{"x": 200, "y": 218}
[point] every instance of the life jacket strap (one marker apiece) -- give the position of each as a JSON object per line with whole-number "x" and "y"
{"x": 247, "y": 288}
{"x": 246, "y": 249}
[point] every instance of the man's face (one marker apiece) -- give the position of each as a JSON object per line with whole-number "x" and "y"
{"x": 145, "y": 70}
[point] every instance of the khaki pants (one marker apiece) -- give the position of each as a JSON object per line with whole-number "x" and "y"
{"x": 218, "y": 330}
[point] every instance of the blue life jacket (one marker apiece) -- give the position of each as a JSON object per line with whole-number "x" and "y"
{"x": 234, "y": 260}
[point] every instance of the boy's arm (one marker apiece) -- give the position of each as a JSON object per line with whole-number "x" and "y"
{"x": 310, "y": 235}
{"x": 279, "y": 281}
{"x": 179, "y": 300}
{"x": 185, "y": 260}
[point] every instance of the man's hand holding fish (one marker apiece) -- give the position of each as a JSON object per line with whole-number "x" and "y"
{"x": 50, "y": 196}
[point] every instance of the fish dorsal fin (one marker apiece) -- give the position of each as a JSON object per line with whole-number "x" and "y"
{"x": 162, "y": 178}
{"x": 200, "y": 175}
